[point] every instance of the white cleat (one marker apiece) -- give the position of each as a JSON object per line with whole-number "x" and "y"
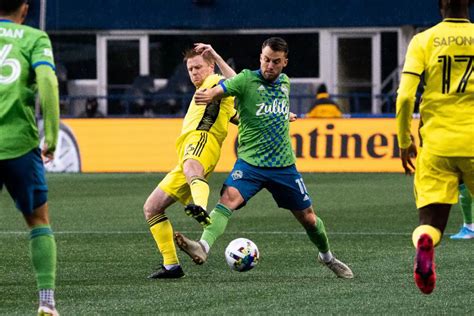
{"x": 47, "y": 311}
{"x": 338, "y": 267}
{"x": 193, "y": 248}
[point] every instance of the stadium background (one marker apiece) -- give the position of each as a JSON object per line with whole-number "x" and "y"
{"x": 127, "y": 56}
{"x": 105, "y": 250}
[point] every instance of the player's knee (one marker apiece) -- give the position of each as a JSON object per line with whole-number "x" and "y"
{"x": 231, "y": 197}
{"x": 306, "y": 217}
{"x": 193, "y": 169}
{"x": 39, "y": 216}
{"x": 150, "y": 210}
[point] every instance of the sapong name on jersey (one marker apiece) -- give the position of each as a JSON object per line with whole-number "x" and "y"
{"x": 277, "y": 107}
{"x": 453, "y": 40}
{"x": 11, "y": 33}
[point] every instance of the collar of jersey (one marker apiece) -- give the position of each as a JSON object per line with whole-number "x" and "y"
{"x": 456, "y": 20}
{"x": 6, "y": 21}
{"x": 259, "y": 72}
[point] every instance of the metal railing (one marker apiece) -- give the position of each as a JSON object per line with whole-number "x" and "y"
{"x": 175, "y": 105}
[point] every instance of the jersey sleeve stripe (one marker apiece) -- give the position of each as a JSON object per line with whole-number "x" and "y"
{"x": 411, "y": 73}
{"x": 223, "y": 86}
{"x": 40, "y": 63}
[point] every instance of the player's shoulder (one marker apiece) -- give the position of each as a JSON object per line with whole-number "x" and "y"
{"x": 21, "y": 32}
{"x": 31, "y": 32}
{"x": 284, "y": 78}
{"x": 249, "y": 73}
{"x": 425, "y": 34}
{"x": 212, "y": 80}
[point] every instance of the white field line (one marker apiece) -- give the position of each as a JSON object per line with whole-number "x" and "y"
{"x": 9, "y": 233}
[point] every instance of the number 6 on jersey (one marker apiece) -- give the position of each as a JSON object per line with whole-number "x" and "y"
{"x": 11, "y": 75}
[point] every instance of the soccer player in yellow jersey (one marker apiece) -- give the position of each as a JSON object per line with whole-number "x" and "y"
{"x": 444, "y": 54}
{"x": 198, "y": 147}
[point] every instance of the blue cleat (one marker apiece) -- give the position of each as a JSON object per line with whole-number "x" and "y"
{"x": 464, "y": 233}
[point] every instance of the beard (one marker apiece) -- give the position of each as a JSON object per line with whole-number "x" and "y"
{"x": 270, "y": 76}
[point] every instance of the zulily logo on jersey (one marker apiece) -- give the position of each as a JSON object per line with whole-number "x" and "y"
{"x": 277, "y": 107}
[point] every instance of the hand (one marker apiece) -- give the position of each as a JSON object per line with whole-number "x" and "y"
{"x": 406, "y": 154}
{"x": 46, "y": 154}
{"x": 206, "y": 49}
{"x": 202, "y": 97}
{"x": 293, "y": 117}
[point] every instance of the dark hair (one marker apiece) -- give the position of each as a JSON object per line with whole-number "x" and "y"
{"x": 456, "y": 4}
{"x": 322, "y": 88}
{"x": 10, "y": 6}
{"x": 190, "y": 53}
{"x": 277, "y": 44}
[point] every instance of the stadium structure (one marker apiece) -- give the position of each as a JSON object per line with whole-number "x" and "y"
{"x": 128, "y": 53}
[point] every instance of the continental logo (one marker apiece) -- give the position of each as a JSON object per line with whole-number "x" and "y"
{"x": 321, "y": 145}
{"x": 327, "y": 142}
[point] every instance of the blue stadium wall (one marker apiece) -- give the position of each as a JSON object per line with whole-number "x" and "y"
{"x": 233, "y": 14}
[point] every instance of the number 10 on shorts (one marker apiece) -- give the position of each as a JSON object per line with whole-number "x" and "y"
{"x": 301, "y": 186}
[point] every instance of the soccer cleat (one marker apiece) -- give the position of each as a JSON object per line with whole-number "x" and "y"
{"x": 464, "y": 233}
{"x": 424, "y": 270}
{"x": 340, "y": 269}
{"x": 173, "y": 273}
{"x": 193, "y": 248}
{"x": 198, "y": 213}
{"x": 47, "y": 311}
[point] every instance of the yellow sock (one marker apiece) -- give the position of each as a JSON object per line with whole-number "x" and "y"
{"x": 200, "y": 191}
{"x": 434, "y": 233}
{"x": 162, "y": 232}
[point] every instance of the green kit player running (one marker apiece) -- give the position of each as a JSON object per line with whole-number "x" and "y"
{"x": 265, "y": 156}
{"x": 465, "y": 199}
{"x": 26, "y": 64}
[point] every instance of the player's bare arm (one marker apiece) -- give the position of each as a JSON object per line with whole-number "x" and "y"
{"x": 206, "y": 49}
{"x": 406, "y": 154}
{"x": 205, "y": 96}
{"x": 47, "y": 154}
{"x": 292, "y": 117}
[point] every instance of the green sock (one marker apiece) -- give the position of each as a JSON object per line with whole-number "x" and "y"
{"x": 219, "y": 218}
{"x": 43, "y": 256}
{"x": 318, "y": 236}
{"x": 466, "y": 203}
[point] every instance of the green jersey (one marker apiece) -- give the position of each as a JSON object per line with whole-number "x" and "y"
{"x": 22, "y": 49}
{"x": 264, "y": 107}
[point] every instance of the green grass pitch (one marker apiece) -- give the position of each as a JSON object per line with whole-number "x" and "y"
{"x": 105, "y": 252}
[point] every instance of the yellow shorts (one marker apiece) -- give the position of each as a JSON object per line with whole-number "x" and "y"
{"x": 437, "y": 178}
{"x": 197, "y": 145}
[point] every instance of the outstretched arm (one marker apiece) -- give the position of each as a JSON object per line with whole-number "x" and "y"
{"x": 206, "y": 49}
{"x": 205, "y": 96}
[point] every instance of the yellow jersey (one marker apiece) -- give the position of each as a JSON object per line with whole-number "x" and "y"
{"x": 213, "y": 118}
{"x": 444, "y": 55}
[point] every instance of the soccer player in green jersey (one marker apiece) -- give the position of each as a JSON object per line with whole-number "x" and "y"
{"x": 444, "y": 54}
{"x": 465, "y": 200}
{"x": 265, "y": 156}
{"x": 27, "y": 65}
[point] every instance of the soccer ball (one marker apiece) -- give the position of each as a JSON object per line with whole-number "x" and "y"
{"x": 242, "y": 254}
